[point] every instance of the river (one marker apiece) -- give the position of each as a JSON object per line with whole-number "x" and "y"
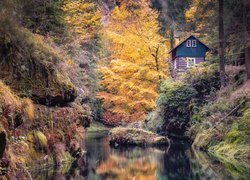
{"x": 178, "y": 161}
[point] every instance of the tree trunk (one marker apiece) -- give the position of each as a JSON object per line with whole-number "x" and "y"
{"x": 247, "y": 62}
{"x": 156, "y": 56}
{"x": 222, "y": 44}
{"x": 172, "y": 40}
{"x": 246, "y": 36}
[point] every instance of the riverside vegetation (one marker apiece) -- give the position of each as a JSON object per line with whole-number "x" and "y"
{"x": 64, "y": 65}
{"x": 46, "y": 84}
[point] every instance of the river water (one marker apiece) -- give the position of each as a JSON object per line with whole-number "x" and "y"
{"x": 175, "y": 162}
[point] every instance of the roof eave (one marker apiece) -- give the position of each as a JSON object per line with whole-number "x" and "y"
{"x": 185, "y": 40}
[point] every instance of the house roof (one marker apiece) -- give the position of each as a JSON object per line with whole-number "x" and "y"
{"x": 185, "y": 40}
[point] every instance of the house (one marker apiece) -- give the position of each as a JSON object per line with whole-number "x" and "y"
{"x": 188, "y": 53}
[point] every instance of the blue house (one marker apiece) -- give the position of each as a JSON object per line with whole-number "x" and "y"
{"x": 188, "y": 53}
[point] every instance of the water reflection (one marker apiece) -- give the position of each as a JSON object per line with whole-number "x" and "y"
{"x": 178, "y": 162}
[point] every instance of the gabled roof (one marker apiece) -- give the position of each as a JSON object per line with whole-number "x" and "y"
{"x": 185, "y": 40}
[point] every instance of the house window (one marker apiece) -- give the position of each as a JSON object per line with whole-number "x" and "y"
{"x": 175, "y": 63}
{"x": 190, "y": 62}
{"x": 194, "y": 43}
{"x": 189, "y": 43}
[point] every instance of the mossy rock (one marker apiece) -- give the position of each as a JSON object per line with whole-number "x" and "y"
{"x": 30, "y": 66}
{"x": 135, "y": 136}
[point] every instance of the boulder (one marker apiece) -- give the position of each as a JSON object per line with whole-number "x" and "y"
{"x": 133, "y": 136}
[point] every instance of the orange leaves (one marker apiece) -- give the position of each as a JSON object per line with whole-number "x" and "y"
{"x": 137, "y": 60}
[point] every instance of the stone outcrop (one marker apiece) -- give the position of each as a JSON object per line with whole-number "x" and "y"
{"x": 29, "y": 66}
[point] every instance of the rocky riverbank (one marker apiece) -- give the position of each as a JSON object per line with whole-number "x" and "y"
{"x": 44, "y": 97}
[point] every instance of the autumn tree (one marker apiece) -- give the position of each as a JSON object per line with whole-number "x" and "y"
{"x": 82, "y": 16}
{"x": 137, "y": 61}
{"x": 203, "y": 15}
{"x": 172, "y": 17}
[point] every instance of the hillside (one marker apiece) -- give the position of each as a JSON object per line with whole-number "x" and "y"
{"x": 44, "y": 90}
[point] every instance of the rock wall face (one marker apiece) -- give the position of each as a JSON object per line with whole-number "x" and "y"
{"x": 28, "y": 66}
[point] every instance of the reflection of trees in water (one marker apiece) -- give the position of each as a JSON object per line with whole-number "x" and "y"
{"x": 98, "y": 150}
{"x": 204, "y": 165}
{"x": 68, "y": 170}
{"x": 119, "y": 167}
{"x": 177, "y": 162}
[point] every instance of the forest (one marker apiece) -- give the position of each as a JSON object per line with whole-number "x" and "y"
{"x": 124, "y": 89}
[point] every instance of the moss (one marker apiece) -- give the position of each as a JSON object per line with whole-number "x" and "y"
{"x": 32, "y": 61}
{"x": 234, "y": 136}
{"x": 38, "y": 139}
{"x": 225, "y": 136}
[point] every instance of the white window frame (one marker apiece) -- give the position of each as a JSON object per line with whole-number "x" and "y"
{"x": 194, "y": 43}
{"x": 190, "y": 58}
{"x": 189, "y": 43}
{"x": 175, "y": 64}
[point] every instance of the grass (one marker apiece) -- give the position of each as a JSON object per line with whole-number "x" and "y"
{"x": 12, "y": 104}
{"x": 223, "y": 134}
{"x": 96, "y": 126}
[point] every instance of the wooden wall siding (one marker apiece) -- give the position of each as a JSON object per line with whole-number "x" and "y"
{"x": 182, "y": 63}
{"x": 199, "y": 60}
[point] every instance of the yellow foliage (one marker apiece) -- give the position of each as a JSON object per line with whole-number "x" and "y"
{"x": 8, "y": 98}
{"x": 136, "y": 168}
{"x": 82, "y": 16}
{"x": 196, "y": 12}
{"x": 37, "y": 138}
{"x": 70, "y": 62}
{"x": 137, "y": 62}
{"x": 28, "y": 108}
{"x": 13, "y": 103}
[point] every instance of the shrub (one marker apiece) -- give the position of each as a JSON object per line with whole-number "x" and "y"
{"x": 44, "y": 17}
{"x": 155, "y": 120}
{"x": 181, "y": 100}
{"x": 204, "y": 79}
{"x": 176, "y": 98}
